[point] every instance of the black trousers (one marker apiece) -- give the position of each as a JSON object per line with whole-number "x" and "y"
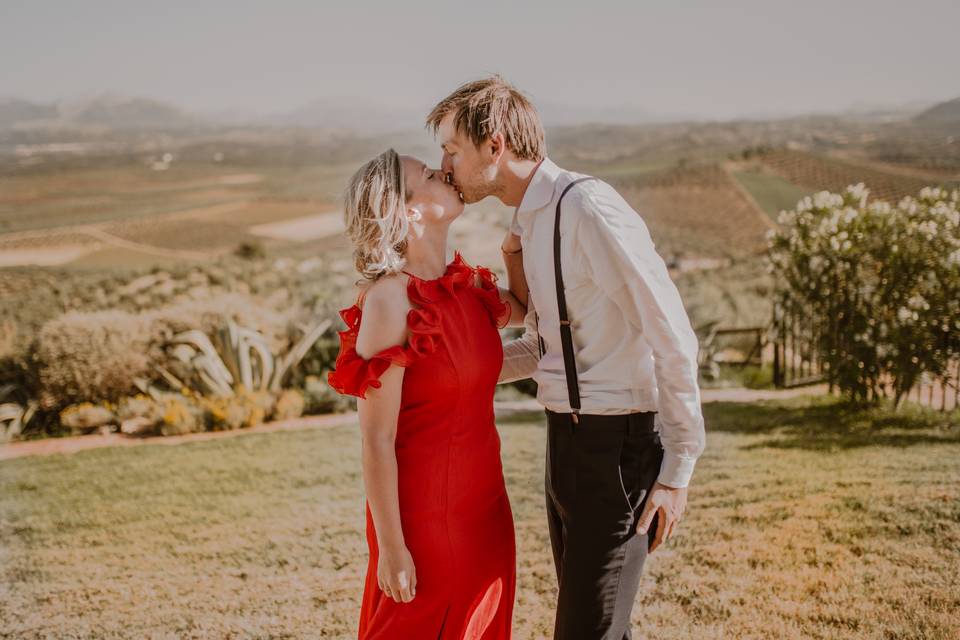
{"x": 598, "y": 475}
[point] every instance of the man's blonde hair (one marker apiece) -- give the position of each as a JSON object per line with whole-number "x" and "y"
{"x": 483, "y": 107}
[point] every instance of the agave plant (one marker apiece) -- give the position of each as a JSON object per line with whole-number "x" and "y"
{"x": 13, "y": 415}
{"x": 236, "y": 357}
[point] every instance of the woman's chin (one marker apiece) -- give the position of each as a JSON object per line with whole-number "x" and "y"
{"x": 455, "y": 208}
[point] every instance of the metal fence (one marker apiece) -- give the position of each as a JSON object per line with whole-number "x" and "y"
{"x": 796, "y": 363}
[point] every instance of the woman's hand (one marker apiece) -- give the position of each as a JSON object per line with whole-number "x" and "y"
{"x": 396, "y": 575}
{"x": 511, "y": 243}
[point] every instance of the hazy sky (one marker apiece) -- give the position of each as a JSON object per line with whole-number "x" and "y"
{"x": 715, "y": 59}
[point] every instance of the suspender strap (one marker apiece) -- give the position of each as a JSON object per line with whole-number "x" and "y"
{"x": 536, "y": 318}
{"x": 566, "y": 337}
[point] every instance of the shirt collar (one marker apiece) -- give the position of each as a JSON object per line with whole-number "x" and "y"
{"x": 539, "y": 192}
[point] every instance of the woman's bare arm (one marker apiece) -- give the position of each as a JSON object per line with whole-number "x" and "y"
{"x": 383, "y": 325}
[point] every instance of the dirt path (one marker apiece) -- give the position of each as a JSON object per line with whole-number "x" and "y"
{"x": 66, "y": 251}
{"x": 116, "y": 241}
{"x": 303, "y": 228}
{"x": 51, "y": 446}
{"x": 79, "y": 443}
{"x": 86, "y": 227}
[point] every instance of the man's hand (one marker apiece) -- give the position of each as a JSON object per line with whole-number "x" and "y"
{"x": 669, "y": 504}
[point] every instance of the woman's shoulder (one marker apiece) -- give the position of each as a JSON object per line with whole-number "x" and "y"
{"x": 386, "y": 293}
{"x": 383, "y": 322}
{"x": 387, "y": 331}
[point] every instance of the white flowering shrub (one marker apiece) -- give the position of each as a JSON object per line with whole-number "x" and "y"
{"x": 874, "y": 288}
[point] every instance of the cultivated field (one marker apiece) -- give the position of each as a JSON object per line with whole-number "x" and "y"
{"x": 152, "y": 220}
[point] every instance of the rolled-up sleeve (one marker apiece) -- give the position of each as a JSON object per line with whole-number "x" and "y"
{"x": 521, "y": 356}
{"x": 515, "y": 227}
{"x": 615, "y": 247}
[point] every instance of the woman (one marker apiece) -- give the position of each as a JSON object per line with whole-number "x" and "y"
{"x": 422, "y": 353}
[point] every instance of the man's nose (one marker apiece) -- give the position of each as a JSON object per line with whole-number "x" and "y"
{"x": 446, "y": 165}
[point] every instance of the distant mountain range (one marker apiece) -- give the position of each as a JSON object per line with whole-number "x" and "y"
{"x": 350, "y": 113}
{"x": 945, "y": 113}
{"x": 122, "y": 113}
{"x": 107, "y": 111}
{"x": 113, "y": 112}
{"x": 14, "y": 111}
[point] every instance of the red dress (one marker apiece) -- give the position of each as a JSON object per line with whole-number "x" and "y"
{"x": 456, "y": 518}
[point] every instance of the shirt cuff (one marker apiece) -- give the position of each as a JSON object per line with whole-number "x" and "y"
{"x": 676, "y": 470}
{"x": 515, "y": 226}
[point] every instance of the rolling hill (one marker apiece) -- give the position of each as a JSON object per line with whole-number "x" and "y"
{"x": 945, "y": 113}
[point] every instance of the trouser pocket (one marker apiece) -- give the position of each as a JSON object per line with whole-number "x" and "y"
{"x": 640, "y": 458}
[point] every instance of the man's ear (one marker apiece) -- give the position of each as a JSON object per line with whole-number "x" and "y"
{"x": 498, "y": 145}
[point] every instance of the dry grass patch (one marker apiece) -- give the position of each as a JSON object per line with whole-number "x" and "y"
{"x": 806, "y": 520}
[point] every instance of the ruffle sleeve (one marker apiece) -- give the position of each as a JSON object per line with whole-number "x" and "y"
{"x": 354, "y": 375}
{"x": 489, "y": 295}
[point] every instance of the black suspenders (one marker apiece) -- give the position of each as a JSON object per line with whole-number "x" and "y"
{"x": 566, "y": 337}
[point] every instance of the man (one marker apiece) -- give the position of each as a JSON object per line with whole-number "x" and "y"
{"x": 616, "y": 486}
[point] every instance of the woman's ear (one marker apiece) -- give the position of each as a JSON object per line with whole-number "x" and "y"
{"x": 414, "y": 215}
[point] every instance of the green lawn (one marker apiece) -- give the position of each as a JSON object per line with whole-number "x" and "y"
{"x": 772, "y": 193}
{"x": 806, "y": 520}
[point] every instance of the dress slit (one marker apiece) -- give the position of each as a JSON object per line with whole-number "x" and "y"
{"x": 443, "y": 623}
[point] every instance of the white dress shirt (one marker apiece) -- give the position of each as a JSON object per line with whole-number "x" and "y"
{"x": 635, "y": 349}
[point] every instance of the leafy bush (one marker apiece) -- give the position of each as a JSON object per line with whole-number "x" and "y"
{"x": 95, "y": 356}
{"x": 289, "y": 405}
{"x": 180, "y": 416}
{"x": 91, "y": 356}
{"x": 877, "y": 285}
{"x": 320, "y": 397}
{"x": 243, "y": 409}
{"x": 250, "y": 250}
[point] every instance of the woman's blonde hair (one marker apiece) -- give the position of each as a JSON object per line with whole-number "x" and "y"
{"x": 375, "y": 216}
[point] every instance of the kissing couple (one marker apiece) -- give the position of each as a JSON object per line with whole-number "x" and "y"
{"x": 606, "y": 339}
